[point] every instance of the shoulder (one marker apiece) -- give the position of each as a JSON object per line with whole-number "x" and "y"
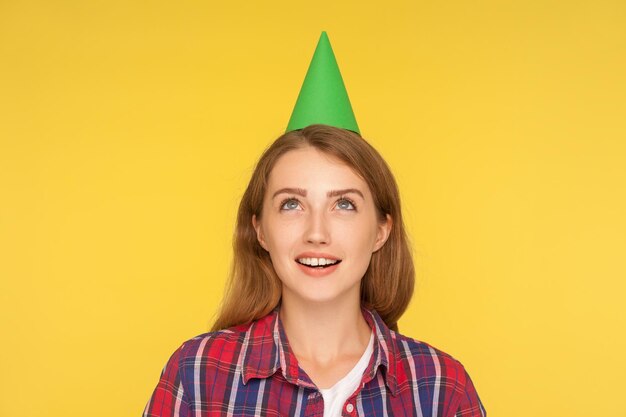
{"x": 224, "y": 346}
{"x": 422, "y": 367}
{"x": 202, "y": 354}
{"x": 209, "y": 345}
{"x": 420, "y": 361}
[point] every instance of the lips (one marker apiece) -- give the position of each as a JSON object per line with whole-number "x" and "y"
{"x": 317, "y": 255}
{"x": 317, "y": 264}
{"x": 313, "y": 263}
{"x": 317, "y": 271}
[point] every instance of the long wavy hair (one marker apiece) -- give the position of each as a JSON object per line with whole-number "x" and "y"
{"x": 254, "y": 289}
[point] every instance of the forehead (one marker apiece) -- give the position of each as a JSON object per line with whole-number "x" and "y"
{"x": 310, "y": 168}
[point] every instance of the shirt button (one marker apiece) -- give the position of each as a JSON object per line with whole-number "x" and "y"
{"x": 349, "y": 408}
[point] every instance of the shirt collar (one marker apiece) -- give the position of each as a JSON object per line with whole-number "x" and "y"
{"x": 266, "y": 349}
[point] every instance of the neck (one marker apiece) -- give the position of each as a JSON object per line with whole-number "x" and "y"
{"x": 323, "y": 332}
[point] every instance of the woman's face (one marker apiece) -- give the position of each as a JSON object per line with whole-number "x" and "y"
{"x": 318, "y": 212}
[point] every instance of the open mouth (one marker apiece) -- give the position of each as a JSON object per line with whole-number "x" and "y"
{"x": 314, "y": 263}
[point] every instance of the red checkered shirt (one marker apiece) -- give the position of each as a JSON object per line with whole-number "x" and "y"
{"x": 250, "y": 370}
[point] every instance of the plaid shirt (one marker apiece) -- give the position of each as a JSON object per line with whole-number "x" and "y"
{"x": 250, "y": 370}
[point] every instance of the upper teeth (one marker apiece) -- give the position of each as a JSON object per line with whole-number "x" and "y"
{"x": 317, "y": 261}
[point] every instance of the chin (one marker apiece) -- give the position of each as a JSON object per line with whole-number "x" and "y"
{"x": 319, "y": 298}
{"x": 320, "y": 295}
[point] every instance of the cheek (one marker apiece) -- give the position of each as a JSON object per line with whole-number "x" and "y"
{"x": 281, "y": 237}
{"x": 361, "y": 236}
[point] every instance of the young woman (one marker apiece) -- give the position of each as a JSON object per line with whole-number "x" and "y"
{"x": 322, "y": 272}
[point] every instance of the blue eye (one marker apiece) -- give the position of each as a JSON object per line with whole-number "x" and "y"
{"x": 346, "y": 204}
{"x": 289, "y": 204}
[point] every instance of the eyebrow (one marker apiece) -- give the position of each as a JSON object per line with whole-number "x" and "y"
{"x": 332, "y": 193}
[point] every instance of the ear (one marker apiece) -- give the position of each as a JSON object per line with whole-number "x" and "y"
{"x": 384, "y": 230}
{"x": 259, "y": 233}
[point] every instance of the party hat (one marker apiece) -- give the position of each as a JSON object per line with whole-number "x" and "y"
{"x": 323, "y": 97}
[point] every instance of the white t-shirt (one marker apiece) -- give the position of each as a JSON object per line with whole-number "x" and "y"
{"x": 336, "y": 396}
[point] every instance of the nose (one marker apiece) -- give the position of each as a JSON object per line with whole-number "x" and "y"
{"x": 317, "y": 230}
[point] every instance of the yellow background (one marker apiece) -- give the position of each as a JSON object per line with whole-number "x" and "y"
{"x": 128, "y": 131}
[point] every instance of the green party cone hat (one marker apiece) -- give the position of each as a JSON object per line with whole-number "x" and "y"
{"x": 323, "y": 97}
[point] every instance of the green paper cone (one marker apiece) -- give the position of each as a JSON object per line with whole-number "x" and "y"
{"x": 323, "y": 97}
